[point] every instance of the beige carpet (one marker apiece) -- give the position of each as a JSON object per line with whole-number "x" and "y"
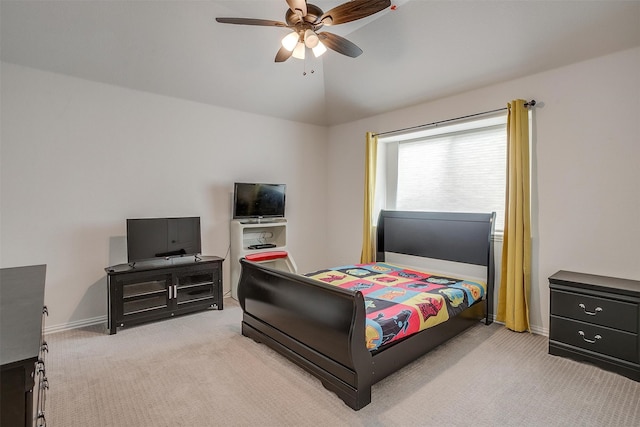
{"x": 198, "y": 370}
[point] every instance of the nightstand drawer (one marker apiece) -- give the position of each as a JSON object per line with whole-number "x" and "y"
{"x": 597, "y": 310}
{"x": 606, "y": 341}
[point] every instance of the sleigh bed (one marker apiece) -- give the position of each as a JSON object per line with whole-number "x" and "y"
{"x": 321, "y": 327}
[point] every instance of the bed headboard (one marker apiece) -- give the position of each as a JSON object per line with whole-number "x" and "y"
{"x": 449, "y": 236}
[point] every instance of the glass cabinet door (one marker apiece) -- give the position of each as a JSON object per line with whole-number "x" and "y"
{"x": 145, "y": 294}
{"x": 196, "y": 286}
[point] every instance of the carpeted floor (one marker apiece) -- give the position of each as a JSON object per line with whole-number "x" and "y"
{"x": 198, "y": 370}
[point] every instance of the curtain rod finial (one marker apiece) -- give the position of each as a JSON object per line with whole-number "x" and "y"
{"x": 531, "y": 103}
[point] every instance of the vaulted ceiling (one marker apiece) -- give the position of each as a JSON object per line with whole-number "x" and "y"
{"x": 422, "y": 50}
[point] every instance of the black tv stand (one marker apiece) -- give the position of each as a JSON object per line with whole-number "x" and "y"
{"x": 151, "y": 290}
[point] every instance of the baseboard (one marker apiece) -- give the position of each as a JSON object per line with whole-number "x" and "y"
{"x": 538, "y": 330}
{"x": 75, "y": 325}
{"x": 535, "y": 329}
{"x": 103, "y": 319}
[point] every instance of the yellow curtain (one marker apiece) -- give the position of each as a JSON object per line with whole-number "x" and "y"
{"x": 515, "y": 281}
{"x": 368, "y": 238}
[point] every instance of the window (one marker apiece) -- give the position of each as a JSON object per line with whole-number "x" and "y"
{"x": 457, "y": 168}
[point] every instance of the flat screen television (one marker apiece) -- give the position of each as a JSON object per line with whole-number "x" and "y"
{"x": 258, "y": 200}
{"x": 151, "y": 238}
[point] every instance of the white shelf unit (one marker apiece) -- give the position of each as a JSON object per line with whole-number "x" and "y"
{"x": 245, "y": 234}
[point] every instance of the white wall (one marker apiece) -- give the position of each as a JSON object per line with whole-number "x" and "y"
{"x": 585, "y": 175}
{"x": 78, "y": 158}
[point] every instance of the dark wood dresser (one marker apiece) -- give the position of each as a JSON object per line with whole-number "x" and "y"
{"x": 22, "y": 348}
{"x": 596, "y": 319}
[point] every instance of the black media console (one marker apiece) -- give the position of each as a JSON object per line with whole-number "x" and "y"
{"x": 159, "y": 289}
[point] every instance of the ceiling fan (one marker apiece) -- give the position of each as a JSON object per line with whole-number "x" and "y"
{"x": 305, "y": 19}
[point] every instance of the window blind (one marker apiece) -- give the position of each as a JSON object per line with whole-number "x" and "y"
{"x": 463, "y": 171}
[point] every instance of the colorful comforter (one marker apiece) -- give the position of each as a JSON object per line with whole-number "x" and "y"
{"x": 401, "y": 301}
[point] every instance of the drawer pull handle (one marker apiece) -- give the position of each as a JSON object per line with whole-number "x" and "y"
{"x": 596, "y": 338}
{"x": 40, "y": 367}
{"x": 590, "y": 313}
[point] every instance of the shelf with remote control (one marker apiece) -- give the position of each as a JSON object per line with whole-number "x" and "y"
{"x": 158, "y": 289}
{"x": 254, "y": 236}
{"x": 263, "y": 246}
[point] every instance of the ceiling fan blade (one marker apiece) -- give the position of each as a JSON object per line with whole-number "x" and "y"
{"x": 250, "y": 21}
{"x": 339, "y": 44}
{"x": 283, "y": 54}
{"x": 352, "y": 10}
{"x": 300, "y": 5}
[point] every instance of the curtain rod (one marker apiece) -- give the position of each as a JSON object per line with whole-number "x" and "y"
{"x": 527, "y": 104}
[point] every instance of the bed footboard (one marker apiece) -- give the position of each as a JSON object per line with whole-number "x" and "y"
{"x": 317, "y": 326}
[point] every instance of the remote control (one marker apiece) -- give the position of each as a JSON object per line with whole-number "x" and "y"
{"x": 262, "y": 246}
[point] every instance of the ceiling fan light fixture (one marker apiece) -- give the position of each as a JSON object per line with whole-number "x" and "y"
{"x": 304, "y": 19}
{"x": 290, "y": 41}
{"x": 298, "y": 52}
{"x": 319, "y": 49}
{"x": 311, "y": 39}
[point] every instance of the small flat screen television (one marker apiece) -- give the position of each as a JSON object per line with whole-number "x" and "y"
{"x": 149, "y": 238}
{"x": 256, "y": 200}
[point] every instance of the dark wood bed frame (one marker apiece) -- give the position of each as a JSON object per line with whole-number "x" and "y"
{"x": 327, "y": 337}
